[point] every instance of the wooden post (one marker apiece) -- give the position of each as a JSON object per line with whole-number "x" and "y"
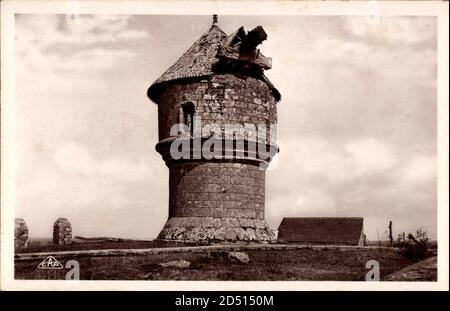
{"x": 391, "y": 239}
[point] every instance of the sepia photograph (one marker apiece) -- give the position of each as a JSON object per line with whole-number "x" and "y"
{"x": 216, "y": 145}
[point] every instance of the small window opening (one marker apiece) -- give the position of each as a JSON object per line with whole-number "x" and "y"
{"x": 187, "y": 112}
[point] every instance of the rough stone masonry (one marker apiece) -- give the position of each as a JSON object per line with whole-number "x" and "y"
{"x": 62, "y": 231}
{"x": 20, "y": 233}
{"x": 219, "y": 81}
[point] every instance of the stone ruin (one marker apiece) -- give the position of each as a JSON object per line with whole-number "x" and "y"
{"x": 62, "y": 232}
{"x": 221, "y": 81}
{"x": 20, "y": 233}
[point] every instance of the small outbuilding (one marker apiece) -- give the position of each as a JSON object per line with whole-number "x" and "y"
{"x": 322, "y": 230}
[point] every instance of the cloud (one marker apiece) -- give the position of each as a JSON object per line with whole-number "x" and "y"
{"x": 357, "y": 123}
{"x": 362, "y": 177}
{"x": 94, "y": 43}
{"x": 338, "y": 163}
{"x": 370, "y": 156}
{"x": 314, "y": 202}
{"x": 403, "y": 31}
{"x": 420, "y": 170}
{"x": 73, "y": 183}
{"x": 75, "y": 159}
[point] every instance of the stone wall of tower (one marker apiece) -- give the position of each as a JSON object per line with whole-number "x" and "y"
{"x": 220, "y": 99}
{"x": 210, "y": 189}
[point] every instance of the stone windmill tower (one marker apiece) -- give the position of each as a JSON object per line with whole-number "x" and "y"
{"x": 218, "y": 84}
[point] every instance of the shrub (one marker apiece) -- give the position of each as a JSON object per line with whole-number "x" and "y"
{"x": 416, "y": 246}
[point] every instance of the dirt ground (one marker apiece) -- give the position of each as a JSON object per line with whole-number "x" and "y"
{"x": 425, "y": 270}
{"x": 47, "y": 246}
{"x": 324, "y": 264}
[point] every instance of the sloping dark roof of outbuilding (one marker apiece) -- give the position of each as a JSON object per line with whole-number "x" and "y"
{"x": 198, "y": 61}
{"x": 321, "y": 230}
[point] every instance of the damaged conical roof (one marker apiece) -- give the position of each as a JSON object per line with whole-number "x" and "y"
{"x": 198, "y": 61}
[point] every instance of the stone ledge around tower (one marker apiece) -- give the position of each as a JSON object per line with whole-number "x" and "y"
{"x": 210, "y": 229}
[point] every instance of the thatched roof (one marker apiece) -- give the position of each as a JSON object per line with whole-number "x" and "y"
{"x": 321, "y": 230}
{"x": 198, "y": 61}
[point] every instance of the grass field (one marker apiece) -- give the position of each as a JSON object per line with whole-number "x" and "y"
{"x": 303, "y": 264}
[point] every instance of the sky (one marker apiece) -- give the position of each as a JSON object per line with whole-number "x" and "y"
{"x": 356, "y": 123}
